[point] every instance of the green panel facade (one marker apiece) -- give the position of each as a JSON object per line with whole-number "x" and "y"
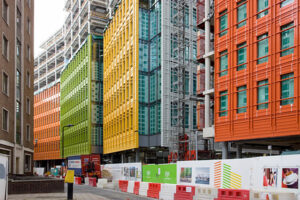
{"x": 81, "y": 100}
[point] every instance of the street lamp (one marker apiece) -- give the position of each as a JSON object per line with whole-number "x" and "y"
{"x": 63, "y": 141}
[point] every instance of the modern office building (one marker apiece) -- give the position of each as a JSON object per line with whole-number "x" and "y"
{"x": 141, "y": 82}
{"x": 84, "y": 17}
{"x": 81, "y": 100}
{"x": 257, "y": 73}
{"x": 16, "y": 83}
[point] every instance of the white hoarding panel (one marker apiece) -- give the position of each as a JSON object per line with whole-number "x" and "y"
{"x": 3, "y": 177}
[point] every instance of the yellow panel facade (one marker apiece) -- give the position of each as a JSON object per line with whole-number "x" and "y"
{"x": 120, "y": 87}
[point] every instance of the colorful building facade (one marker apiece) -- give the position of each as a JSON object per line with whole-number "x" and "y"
{"x": 81, "y": 100}
{"x": 256, "y": 69}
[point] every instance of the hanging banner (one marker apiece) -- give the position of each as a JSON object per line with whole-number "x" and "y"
{"x": 3, "y": 177}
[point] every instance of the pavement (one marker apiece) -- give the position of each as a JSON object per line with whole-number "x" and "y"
{"x": 81, "y": 192}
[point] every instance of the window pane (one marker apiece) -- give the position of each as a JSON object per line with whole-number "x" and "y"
{"x": 223, "y": 23}
{"x": 262, "y": 49}
{"x": 242, "y": 56}
{"x": 287, "y": 89}
{"x": 286, "y": 2}
{"x": 223, "y": 103}
{"x": 261, "y": 5}
{"x": 287, "y": 39}
{"x": 242, "y": 99}
{"x": 262, "y": 94}
{"x": 223, "y": 63}
{"x": 242, "y": 14}
{"x": 5, "y": 120}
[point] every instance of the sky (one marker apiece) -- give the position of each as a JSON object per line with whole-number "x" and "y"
{"x": 49, "y": 16}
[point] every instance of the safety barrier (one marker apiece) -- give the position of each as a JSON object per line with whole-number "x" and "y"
{"x": 269, "y": 194}
{"x": 227, "y": 194}
{"x": 167, "y": 191}
{"x": 205, "y": 193}
{"x": 86, "y": 181}
{"x": 92, "y": 181}
{"x": 123, "y": 185}
{"x": 136, "y": 189}
{"x": 102, "y": 183}
{"x": 153, "y": 190}
{"x": 130, "y": 187}
{"x": 78, "y": 180}
{"x": 184, "y": 192}
{"x": 143, "y": 188}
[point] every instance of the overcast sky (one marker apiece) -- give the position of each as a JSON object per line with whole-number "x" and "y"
{"x": 49, "y": 16}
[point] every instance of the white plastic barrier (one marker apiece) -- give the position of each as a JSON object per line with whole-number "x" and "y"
{"x": 272, "y": 195}
{"x": 205, "y": 193}
{"x": 86, "y": 181}
{"x": 167, "y": 191}
{"x": 102, "y": 183}
{"x": 143, "y": 188}
{"x": 3, "y": 177}
{"x": 130, "y": 186}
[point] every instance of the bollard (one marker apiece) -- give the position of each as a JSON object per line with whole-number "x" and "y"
{"x": 70, "y": 191}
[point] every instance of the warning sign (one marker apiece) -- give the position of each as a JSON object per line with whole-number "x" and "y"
{"x": 70, "y": 176}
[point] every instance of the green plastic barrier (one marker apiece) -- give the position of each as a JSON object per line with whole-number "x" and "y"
{"x": 160, "y": 173}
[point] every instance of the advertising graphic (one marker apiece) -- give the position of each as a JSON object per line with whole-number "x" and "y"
{"x": 270, "y": 177}
{"x": 290, "y": 178}
{"x": 202, "y": 175}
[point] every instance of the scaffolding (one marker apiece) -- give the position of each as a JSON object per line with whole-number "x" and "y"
{"x": 180, "y": 141}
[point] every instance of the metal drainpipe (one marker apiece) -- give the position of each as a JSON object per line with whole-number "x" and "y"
{"x": 207, "y": 64}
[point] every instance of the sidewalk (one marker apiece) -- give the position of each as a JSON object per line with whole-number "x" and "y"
{"x": 55, "y": 196}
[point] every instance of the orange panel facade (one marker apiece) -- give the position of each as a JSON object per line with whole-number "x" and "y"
{"x": 257, "y": 94}
{"x": 46, "y": 124}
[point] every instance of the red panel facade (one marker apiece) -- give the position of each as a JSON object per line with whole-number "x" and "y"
{"x": 276, "y": 120}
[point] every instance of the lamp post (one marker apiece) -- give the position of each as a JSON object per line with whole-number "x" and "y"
{"x": 70, "y": 185}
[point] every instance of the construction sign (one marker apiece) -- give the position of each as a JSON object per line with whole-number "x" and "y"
{"x": 70, "y": 176}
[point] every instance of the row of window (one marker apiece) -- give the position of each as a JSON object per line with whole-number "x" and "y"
{"x": 287, "y": 48}
{"x": 5, "y": 123}
{"x": 286, "y": 96}
{"x": 262, "y": 10}
{"x": 5, "y": 82}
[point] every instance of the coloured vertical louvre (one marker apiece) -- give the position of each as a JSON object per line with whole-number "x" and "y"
{"x": 82, "y": 99}
{"x": 46, "y": 120}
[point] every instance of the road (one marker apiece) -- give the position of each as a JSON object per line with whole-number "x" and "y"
{"x": 106, "y": 193}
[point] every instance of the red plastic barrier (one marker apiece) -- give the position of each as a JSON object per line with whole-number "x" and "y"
{"x": 184, "y": 192}
{"x": 136, "y": 189}
{"x": 78, "y": 180}
{"x": 226, "y": 194}
{"x": 123, "y": 185}
{"x": 154, "y": 190}
{"x": 92, "y": 181}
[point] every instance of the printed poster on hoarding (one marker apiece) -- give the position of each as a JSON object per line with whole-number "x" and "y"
{"x": 186, "y": 175}
{"x": 3, "y": 177}
{"x": 202, "y": 175}
{"x": 270, "y": 177}
{"x": 290, "y": 178}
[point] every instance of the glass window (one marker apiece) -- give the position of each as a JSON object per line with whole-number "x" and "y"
{"x": 287, "y": 89}
{"x": 174, "y": 113}
{"x": 186, "y": 17}
{"x": 194, "y": 84}
{"x": 5, "y": 83}
{"x": 194, "y": 51}
{"x": 262, "y": 94}
{"x": 262, "y": 5}
{"x": 287, "y": 39}
{"x": 5, "y": 120}
{"x": 27, "y": 106}
{"x": 223, "y": 103}
{"x": 241, "y": 13}
{"x": 174, "y": 50}
{"x": 286, "y": 2}
{"x": 28, "y": 133}
{"x": 186, "y": 116}
{"x": 28, "y": 26}
{"x": 223, "y": 63}
{"x": 28, "y": 79}
{"x": 173, "y": 11}
{"x": 241, "y": 56}
{"x": 5, "y": 11}
{"x": 223, "y": 23}
{"x": 187, "y": 81}
{"x": 5, "y": 47}
{"x": 262, "y": 48}
{"x": 242, "y": 99}
{"x": 27, "y": 163}
{"x": 194, "y": 19}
